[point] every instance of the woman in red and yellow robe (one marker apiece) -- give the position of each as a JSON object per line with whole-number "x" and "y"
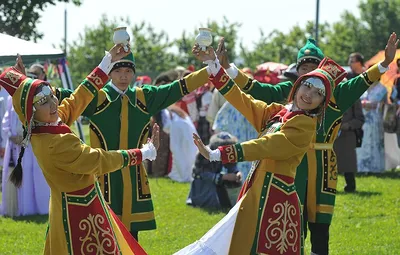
{"x": 267, "y": 217}
{"x": 80, "y": 222}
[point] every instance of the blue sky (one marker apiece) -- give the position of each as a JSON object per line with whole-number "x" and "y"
{"x": 174, "y": 16}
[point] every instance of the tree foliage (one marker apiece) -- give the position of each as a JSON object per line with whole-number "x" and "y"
{"x": 20, "y": 17}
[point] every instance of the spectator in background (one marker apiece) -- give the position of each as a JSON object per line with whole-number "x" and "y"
{"x": 36, "y": 71}
{"x": 346, "y": 143}
{"x": 215, "y": 185}
{"x": 356, "y": 63}
{"x": 371, "y": 154}
{"x": 33, "y": 195}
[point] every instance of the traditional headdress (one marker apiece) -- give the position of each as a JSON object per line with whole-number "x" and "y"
{"x": 127, "y": 61}
{"x": 310, "y": 53}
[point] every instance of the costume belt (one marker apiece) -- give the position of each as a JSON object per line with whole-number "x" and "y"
{"x": 321, "y": 146}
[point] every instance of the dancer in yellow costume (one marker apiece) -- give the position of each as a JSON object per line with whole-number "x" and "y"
{"x": 80, "y": 221}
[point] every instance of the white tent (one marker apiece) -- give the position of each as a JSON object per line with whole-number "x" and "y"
{"x": 33, "y": 52}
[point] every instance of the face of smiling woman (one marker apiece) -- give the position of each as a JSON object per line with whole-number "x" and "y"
{"x": 46, "y": 104}
{"x": 310, "y": 94}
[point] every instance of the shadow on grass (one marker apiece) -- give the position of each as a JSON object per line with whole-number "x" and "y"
{"x": 390, "y": 174}
{"x": 38, "y": 219}
{"x": 360, "y": 193}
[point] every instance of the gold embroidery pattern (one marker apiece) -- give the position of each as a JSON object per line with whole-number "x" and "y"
{"x": 332, "y": 69}
{"x": 133, "y": 159}
{"x": 230, "y": 152}
{"x": 282, "y": 230}
{"x": 13, "y": 76}
{"x": 97, "y": 239}
{"x": 224, "y": 78}
{"x": 95, "y": 79}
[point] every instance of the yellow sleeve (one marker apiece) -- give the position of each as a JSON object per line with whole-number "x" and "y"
{"x": 70, "y": 155}
{"x": 256, "y": 112}
{"x": 72, "y": 107}
{"x": 294, "y": 138}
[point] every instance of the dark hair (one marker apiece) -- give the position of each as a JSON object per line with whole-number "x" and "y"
{"x": 358, "y": 56}
{"x": 37, "y": 65}
{"x": 166, "y": 77}
{"x": 16, "y": 174}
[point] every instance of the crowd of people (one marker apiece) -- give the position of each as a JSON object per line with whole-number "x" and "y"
{"x": 271, "y": 147}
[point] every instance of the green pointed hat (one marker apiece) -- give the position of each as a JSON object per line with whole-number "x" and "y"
{"x": 127, "y": 61}
{"x": 310, "y": 53}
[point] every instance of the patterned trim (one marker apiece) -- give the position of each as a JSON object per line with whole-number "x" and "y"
{"x": 84, "y": 200}
{"x": 334, "y": 106}
{"x": 125, "y": 156}
{"x": 135, "y": 157}
{"x": 364, "y": 75}
{"x": 97, "y": 78}
{"x": 283, "y": 186}
{"x": 58, "y": 95}
{"x": 263, "y": 197}
{"x": 65, "y": 222}
{"x": 60, "y": 129}
{"x": 220, "y": 80}
{"x": 325, "y": 159}
{"x": 227, "y": 88}
{"x": 231, "y": 153}
{"x": 102, "y": 106}
{"x": 183, "y": 86}
{"x": 123, "y": 63}
{"x": 97, "y": 132}
{"x": 142, "y": 106}
{"x": 139, "y": 179}
{"x": 106, "y": 208}
{"x": 249, "y": 84}
{"x": 106, "y": 177}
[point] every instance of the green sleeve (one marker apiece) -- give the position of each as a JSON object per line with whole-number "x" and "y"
{"x": 62, "y": 93}
{"x": 263, "y": 91}
{"x": 270, "y": 93}
{"x": 348, "y": 92}
{"x": 158, "y": 98}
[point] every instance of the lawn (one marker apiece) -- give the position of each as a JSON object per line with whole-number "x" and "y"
{"x": 366, "y": 222}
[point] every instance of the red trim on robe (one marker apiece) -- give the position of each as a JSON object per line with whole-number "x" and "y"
{"x": 60, "y": 129}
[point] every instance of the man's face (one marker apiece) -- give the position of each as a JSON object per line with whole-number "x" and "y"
{"x": 122, "y": 77}
{"x": 354, "y": 64}
{"x": 37, "y": 71}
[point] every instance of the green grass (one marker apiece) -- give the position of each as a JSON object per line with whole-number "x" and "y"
{"x": 366, "y": 222}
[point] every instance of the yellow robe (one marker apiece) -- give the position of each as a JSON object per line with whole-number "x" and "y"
{"x": 79, "y": 220}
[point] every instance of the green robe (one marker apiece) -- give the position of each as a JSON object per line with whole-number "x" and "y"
{"x": 122, "y": 122}
{"x": 319, "y": 165}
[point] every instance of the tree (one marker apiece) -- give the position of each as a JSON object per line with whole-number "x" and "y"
{"x": 280, "y": 47}
{"x": 381, "y": 17}
{"x": 20, "y": 17}
{"x": 227, "y": 30}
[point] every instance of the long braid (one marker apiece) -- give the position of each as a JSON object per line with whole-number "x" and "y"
{"x": 16, "y": 174}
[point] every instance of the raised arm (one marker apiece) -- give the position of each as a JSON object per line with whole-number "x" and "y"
{"x": 158, "y": 98}
{"x": 72, "y": 107}
{"x": 347, "y": 93}
{"x": 256, "y": 112}
{"x": 265, "y": 92}
{"x": 261, "y": 91}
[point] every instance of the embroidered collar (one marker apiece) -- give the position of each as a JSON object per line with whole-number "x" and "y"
{"x": 112, "y": 93}
{"x": 61, "y": 128}
{"x": 285, "y": 114}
